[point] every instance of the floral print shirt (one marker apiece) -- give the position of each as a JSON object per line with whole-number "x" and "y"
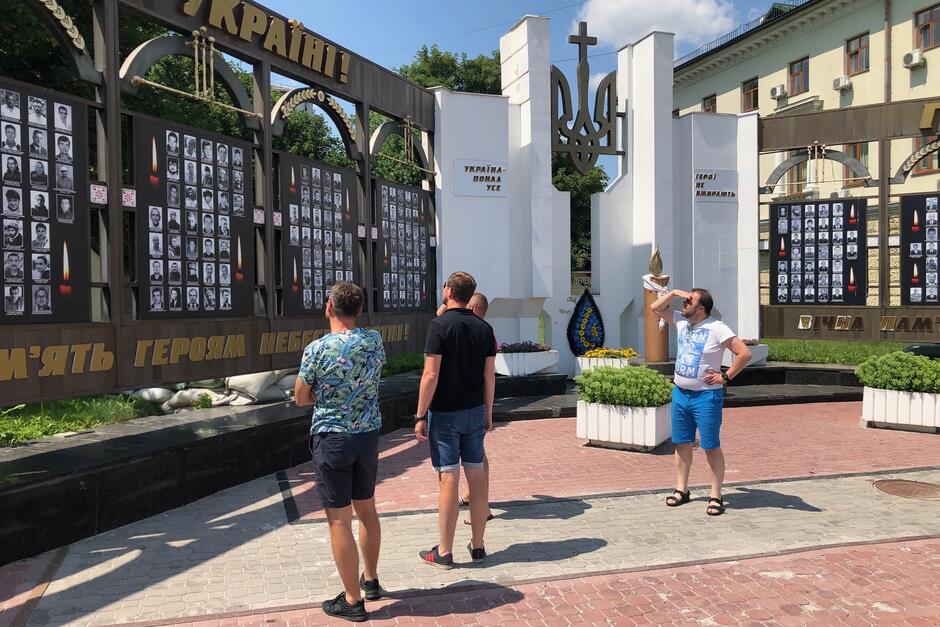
{"x": 344, "y": 370}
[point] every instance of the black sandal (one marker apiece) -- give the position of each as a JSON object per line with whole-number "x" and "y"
{"x": 675, "y": 501}
{"x": 715, "y": 510}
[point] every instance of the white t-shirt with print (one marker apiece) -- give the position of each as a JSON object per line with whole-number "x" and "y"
{"x": 699, "y": 348}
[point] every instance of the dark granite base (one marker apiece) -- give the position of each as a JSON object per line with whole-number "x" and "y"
{"x": 60, "y": 495}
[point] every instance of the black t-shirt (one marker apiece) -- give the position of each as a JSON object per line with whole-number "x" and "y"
{"x": 464, "y": 342}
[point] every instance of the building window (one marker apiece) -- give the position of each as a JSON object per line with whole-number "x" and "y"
{"x": 856, "y": 55}
{"x": 927, "y": 28}
{"x": 929, "y": 164}
{"x": 710, "y": 104}
{"x": 749, "y": 95}
{"x": 859, "y": 152}
{"x": 799, "y": 77}
{"x": 796, "y": 177}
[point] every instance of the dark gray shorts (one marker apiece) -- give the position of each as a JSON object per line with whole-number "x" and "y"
{"x": 347, "y": 465}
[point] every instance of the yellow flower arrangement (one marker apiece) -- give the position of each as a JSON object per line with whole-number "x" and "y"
{"x": 611, "y": 353}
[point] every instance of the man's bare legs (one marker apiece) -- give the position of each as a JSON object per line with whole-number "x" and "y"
{"x": 479, "y": 503}
{"x": 345, "y": 553}
{"x": 447, "y": 510}
{"x": 486, "y": 479}
{"x": 683, "y": 465}
{"x": 370, "y": 536}
{"x": 716, "y": 464}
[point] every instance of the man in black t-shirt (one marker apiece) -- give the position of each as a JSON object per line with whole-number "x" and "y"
{"x": 458, "y": 385}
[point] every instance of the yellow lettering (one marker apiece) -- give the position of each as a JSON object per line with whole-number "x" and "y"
{"x": 79, "y": 353}
{"x": 293, "y": 344}
{"x": 215, "y": 347}
{"x": 12, "y": 364}
{"x": 329, "y": 65}
{"x": 54, "y": 359}
{"x": 307, "y": 338}
{"x": 234, "y": 346}
{"x": 276, "y": 39}
{"x": 343, "y": 67}
{"x": 191, "y": 7}
{"x": 222, "y": 15}
{"x": 197, "y": 349}
{"x": 267, "y": 343}
{"x": 922, "y": 325}
{"x": 101, "y": 360}
{"x": 296, "y": 39}
{"x": 160, "y": 348}
{"x": 253, "y": 21}
{"x": 281, "y": 345}
{"x": 313, "y": 53}
{"x": 140, "y": 359}
{"x": 179, "y": 348}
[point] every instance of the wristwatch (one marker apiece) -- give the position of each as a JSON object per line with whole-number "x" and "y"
{"x": 424, "y": 417}
{"x": 725, "y": 377}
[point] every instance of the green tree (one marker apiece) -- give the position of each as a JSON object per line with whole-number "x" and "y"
{"x": 433, "y": 67}
{"x": 567, "y": 178}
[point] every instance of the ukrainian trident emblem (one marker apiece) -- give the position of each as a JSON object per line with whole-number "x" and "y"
{"x": 584, "y": 137}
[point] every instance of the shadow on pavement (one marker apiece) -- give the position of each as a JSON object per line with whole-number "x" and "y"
{"x": 754, "y": 498}
{"x": 542, "y": 508}
{"x": 549, "y": 551}
{"x": 468, "y": 598}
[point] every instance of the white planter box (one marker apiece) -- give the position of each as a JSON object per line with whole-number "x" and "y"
{"x": 586, "y": 363}
{"x": 521, "y": 364}
{"x": 901, "y": 409}
{"x": 758, "y": 356}
{"x": 616, "y": 426}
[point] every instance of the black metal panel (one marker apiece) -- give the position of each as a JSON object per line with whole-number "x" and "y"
{"x": 920, "y": 249}
{"x": 403, "y": 269}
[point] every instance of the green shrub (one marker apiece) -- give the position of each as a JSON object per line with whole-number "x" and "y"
{"x": 523, "y": 347}
{"x": 901, "y": 371}
{"x": 634, "y": 386}
{"x": 828, "y": 351}
{"x": 203, "y": 402}
{"x": 397, "y": 363}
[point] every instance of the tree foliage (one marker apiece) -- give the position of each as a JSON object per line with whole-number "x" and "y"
{"x": 567, "y": 178}
{"x": 433, "y": 67}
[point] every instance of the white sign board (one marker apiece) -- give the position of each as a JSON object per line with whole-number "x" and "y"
{"x": 488, "y": 179}
{"x": 715, "y": 186}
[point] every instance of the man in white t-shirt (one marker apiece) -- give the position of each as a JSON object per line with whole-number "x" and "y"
{"x": 699, "y": 392}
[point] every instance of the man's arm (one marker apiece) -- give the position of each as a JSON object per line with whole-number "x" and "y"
{"x": 742, "y": 355}
{"x": 429, "y": 378}
{"x": 661, "y": 307}
{"x": 303, "y": 393}
{"x": 489, "y": 390}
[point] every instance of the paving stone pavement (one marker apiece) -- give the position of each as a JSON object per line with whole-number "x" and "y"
{"x": 234, "y": 551}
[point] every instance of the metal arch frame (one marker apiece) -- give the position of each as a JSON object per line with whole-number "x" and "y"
{"x": 278, "y": 117}
{"x": 396, "y": 127}
{"x": 139, "y": 62}
{"x": 908, "y": 165}
{"x": 77, "y": 56}
{"x": 802, "y": 155}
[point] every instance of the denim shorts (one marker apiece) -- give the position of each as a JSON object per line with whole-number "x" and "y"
{"x": 702, "y": 410}
{"x": 457, "y": 437}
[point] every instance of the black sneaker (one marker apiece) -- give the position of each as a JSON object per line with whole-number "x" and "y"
{"x": 477, "y": 555}
{"x": 434, "y": 558}
{"x": 340, "y": 608}
{"x": 372, "y": 588}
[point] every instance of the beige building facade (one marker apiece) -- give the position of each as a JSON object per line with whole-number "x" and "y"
{"x": 806, "y": 57}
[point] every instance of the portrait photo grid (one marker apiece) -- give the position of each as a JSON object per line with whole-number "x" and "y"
{"x": 919, "y": 249}
{"x": 318, "y": 205}
{"x": 45, "y": 244}
{"x": 402, "y": 264}
{"x": 194, "y": 223}
{"x": 818, "y": 253}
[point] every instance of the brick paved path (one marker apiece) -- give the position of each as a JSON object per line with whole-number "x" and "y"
{"x": 578, "y": 531}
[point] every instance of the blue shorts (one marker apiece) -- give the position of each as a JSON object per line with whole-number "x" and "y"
{"x": 702, "y": 410}
{"x": 455, "y": 437}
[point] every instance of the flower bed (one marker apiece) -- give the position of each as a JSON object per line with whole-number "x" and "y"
{"x": 605, "y": 357}
{"x": 525, "y": 358}
{"x": 624, "y": 408}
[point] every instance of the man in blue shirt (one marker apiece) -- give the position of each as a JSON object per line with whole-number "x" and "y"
{"x": 339, "y": 376}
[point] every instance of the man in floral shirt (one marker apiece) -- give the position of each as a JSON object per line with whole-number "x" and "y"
{"x": 339, "y": 376}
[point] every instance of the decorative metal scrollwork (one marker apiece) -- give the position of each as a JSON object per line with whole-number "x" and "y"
{"x": 584, "y": 137}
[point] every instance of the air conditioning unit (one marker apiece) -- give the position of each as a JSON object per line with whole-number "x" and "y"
{"x": 842, "y": 83}
{"x": 914, "y": 58}
{"x": 778, "y": 91}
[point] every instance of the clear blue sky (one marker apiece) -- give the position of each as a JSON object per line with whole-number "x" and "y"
{"x": 390, "y": 33}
